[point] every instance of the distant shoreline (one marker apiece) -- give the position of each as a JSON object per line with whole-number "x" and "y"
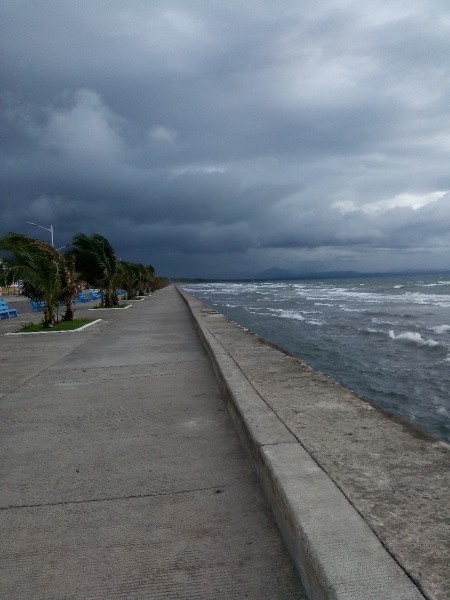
{"x": 309, "y": 276}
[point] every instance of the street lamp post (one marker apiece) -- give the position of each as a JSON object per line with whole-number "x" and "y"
{"x": 47, "y": 228}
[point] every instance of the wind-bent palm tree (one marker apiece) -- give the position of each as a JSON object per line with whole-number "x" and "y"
{"x": 125, "y": 278}
{"x": 134, "y": 278}
{"x": 96, "y": 263}
{"x": 38, "y": 265}
{"x": 70, "y": 284}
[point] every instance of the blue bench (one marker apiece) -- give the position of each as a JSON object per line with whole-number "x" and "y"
{"x": 37, "y": 305}
{"x": 5, "y": 311}
{"x": 83, "y": 298}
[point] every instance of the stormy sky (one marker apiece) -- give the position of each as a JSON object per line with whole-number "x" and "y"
{"x": 218, "y": 138}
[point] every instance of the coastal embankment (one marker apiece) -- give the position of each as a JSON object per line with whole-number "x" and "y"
{"x": 361, "y": 497}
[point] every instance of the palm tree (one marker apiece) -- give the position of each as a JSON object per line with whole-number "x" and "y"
{"x": 96, "y": 263}
{"x": 38, "y": 265}
{"x": 70, "y": 284}
{"x": 134, "y": 278}
{"x": 125, "y": 278}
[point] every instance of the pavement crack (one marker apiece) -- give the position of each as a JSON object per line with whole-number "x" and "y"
{"x": 220, "y": 487}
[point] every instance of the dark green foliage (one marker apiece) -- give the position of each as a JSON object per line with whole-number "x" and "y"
{"x": 96, "y": 263}
{"x": 38, "y": 265}
{"x": 54, "y": 278}
{"x": 135, "y": 278}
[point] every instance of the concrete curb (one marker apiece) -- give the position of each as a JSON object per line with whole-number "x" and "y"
{"x": 337, "y": 555}
{"x": 82, "y": 328}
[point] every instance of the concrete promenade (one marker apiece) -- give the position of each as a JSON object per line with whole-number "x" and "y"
{"x": 121, "y": 472}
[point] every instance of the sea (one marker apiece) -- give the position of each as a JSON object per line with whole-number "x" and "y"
{"x": 387, "y": 338}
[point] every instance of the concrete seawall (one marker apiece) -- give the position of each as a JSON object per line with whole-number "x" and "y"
{"x": 359, "y": 497}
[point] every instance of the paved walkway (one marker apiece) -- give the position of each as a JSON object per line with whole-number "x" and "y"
{"x": 121, "y": 473}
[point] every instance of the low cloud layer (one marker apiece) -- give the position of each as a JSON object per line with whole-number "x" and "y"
{"x": 216, "y": 139}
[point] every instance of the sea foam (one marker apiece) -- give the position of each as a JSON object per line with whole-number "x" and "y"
{"x": 415, "y": 338}
{"x": 440, "y": 329}
{"x": 296, "y": 315}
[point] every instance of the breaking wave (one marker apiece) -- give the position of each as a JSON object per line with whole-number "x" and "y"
{"x": 295, "y": 315}
{"x": 370, "y": 330}
{"x": 415, "y": 338}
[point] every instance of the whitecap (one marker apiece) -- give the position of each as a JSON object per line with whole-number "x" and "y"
{"x": 315, "y": 322}
{"x": 440, "y": 329}
{"x": 415, "y": 338}
{"x": 295, "y": 315}
{"x": 434, "y": 284}
{"x": 345, "y": 309}
{"x": 380, "y": 322}
{"x": 397, "y": 287}
{"x": 287, "y": 314}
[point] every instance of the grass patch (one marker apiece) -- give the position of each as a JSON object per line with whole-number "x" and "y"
{"x": 60, "y": 326}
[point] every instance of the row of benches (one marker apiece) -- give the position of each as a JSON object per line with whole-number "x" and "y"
{"x": 36, "y": 305}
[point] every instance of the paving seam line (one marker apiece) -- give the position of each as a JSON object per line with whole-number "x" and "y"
{"x": 336, "y": 554}
{"x": 45, "y": 368}
{"x": 217, "y": 487}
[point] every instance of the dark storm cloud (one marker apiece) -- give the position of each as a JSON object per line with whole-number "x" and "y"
{"x": 214, "y": 138}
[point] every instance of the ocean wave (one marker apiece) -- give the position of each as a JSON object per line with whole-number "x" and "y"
{"x": 323, "y": 304}
{"x": 315, "y": 322}
{"x": 256, "y": 310}
{"x": 287, "y": 314}
{"x": 346, "y": 309}
{"x": 438, "y": 283}
{"x": 381, "y": 322}
{"x": 295, "y": 315}
{"x": 378, "y": 313}
{"x": 440, "y": 329}
{"x": 325, "y": 294}
{"x": 412, "y": 337}
{"x": 370, "y": 330}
